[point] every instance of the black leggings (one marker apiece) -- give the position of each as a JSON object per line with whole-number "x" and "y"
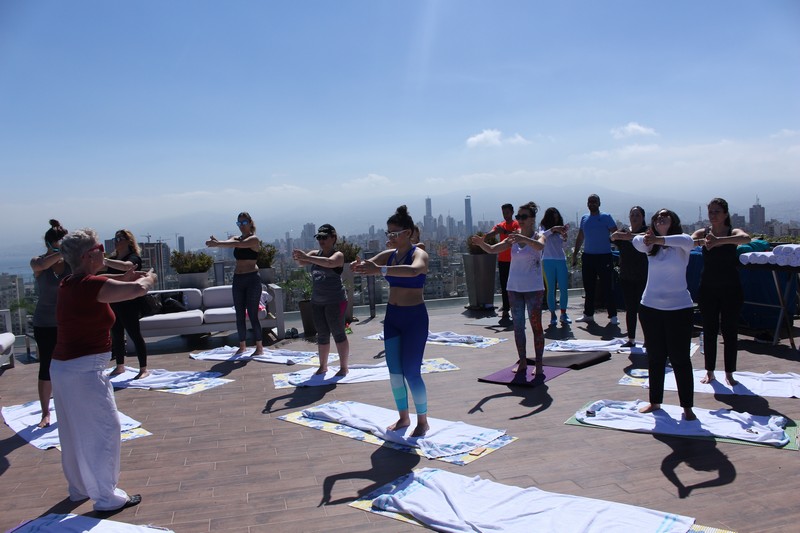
{"x": 246, "y": 297}
{"x": 595, "y": 266}
{"x": 128, "y": 314}
{"x": 45, "y": 345}
{"x": 668, "y": 335}
{"x": 721, "y": 306}
{"x": 632, "y": 290}
{"x": 503, "y": 268}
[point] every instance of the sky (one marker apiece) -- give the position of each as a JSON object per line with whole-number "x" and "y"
{"x": 171, "y": 117}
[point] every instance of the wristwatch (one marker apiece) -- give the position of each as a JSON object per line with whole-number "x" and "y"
{"x": 384, "y": 270}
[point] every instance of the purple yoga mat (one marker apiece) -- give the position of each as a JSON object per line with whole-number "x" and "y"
{"x": 508, "y": 377}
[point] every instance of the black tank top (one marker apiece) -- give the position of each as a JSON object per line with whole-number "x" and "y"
{"x": 720, "y": 265}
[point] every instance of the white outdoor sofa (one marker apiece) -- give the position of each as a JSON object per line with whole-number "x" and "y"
{"x": 211, "y": 311}
{"x": 7, "y": 339}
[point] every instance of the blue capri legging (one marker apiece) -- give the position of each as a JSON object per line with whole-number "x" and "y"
{"x": 405, "y": 331}
{"x": 555, "y": 272}
{"x": 246, "y": 297}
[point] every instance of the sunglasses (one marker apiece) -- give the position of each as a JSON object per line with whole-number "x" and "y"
{"x": 323, "y": 237}
{"x": 241, "y": 223}
{"x": 394, "y": 234}
{"x": 523, "y": 216}
{"x": 120, "y": 238}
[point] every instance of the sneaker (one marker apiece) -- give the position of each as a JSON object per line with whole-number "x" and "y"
{"x": 614, "y": 321}
{"x": 629, "y": 344}
{"x": 553, "y": 321}
{"x": 589, "y": 319}
{"x": 565, "y": 319}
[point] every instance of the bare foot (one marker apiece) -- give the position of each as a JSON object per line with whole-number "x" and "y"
{"x": 400, "y": 424}
{"x": 650, "y": 407}
{"x": 142, "y": 374}
{"x": 729, "y": 378}
{"x": 321, "y": 371}
{"x": 688, "y": 414}
{"x": 258, "y": 352}
{"x": 342, "y": 372}
{"x": 520, "y": 369}
{"x": 117, "y": 371}
{"x": 45, "y": 422}
{"x": 420, "y": 430}
{"x": 708, "y": 378}
{"x": 240, "y": 351}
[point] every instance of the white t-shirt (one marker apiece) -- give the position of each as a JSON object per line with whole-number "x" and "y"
{"x": 525, "y": 272}
{"x": 666, "y": 288}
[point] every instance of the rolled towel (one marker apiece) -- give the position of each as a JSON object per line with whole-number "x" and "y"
{"x": 761, "y": 258}
{"x": 795, "y": 262}
{"x": 782, "y": 260}
{"x": 775, "y": 259}
{"x": 787, "y": 249}
{"x": 745, "y": 258}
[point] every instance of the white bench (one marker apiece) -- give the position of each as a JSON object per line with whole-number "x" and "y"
{"x": 7, "y": 339}
{"x": 211, "y": 311}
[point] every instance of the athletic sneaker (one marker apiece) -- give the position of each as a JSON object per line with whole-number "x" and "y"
{"x": 553, "y": 321}
{"x": 565, "y": 319}
{"x": 614, "y": 321}
{"x": 629, "y": 344}
{"x": 589, "y": 319}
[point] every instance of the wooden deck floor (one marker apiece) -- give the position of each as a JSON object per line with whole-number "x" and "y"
{"x": 220, "y": 460}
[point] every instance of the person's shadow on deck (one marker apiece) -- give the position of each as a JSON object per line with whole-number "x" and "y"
{"x": 387, "y": 465}
{"x": 700, "y": 455}
{"x": 530, "y": 397}
{"x": 298, "y": 398}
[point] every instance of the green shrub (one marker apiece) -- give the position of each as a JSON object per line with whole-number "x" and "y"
{"x": 266, "y": 255}
{"x": 190, "y": 262}
{"x": 349, "y": 249}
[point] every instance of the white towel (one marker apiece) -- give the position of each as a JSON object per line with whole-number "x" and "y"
{"x": 578, "y": 345}
{"x": 356, "y": 374}
{"x": 71, "y": 523}
{"x": 24, "y": 418}
{"x": 443, "y": 439}
{"x": 159, "y": 378}
{"x": 787, "y": 249}
{"x": 668, "y": 421}
{"x": 446, "y": 337}
{"x": 279, "y": 356}
{"x": 450, "y": 502}
{"x": 750, "y": 384}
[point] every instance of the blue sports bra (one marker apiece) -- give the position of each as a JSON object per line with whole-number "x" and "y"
{"x": 417, "y": 282}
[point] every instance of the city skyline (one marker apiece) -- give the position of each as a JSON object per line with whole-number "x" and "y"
{"x": 172, "y": 117}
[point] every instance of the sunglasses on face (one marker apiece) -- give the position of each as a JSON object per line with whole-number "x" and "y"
{"x": 522, "y": 216}
{"x": 241, "y": 223}
{"x": 120, "y": 238}
{"x": 323, "y": 237}
{"x": 394, "y": 234}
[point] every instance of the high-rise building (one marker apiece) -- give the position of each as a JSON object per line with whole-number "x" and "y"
{"x": 155, "y": 255}
{"x": 468, "y": 216}
{"x": 428, "y": 230}
{"x": 737, "y": 220}
{"x": 181, "y": 244}
{"x": 758, "y": 218}
{"x": 428, "y": 208}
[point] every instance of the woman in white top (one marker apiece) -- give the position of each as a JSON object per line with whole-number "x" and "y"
{"x": 666, "y": 308}
{"x": 525, "y": 283}
{"x": 555, "y": 263}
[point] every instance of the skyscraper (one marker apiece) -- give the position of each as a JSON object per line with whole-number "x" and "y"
{"x": 428, "y": 210}
{"x": 427, "y": 221}
{"x": 468, "y": 215}
{"x": 758, "y": 218}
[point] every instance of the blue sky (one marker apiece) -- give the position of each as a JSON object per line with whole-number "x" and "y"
{"x": 177, "y": 115}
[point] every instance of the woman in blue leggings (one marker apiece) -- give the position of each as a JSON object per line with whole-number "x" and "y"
{"x": 405, "y": 327}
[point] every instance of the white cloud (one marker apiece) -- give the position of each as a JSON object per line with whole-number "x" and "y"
{"x": 494, "y": 137}
{"x": 370, "y": 181}
{"x": 626, "y": 152}
{"x": 631, "y": 129}
{"x": 784, "y": 133}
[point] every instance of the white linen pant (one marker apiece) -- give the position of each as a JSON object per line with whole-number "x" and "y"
{"x": 89, "y": 430}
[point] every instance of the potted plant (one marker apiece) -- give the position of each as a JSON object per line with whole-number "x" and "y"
{"x": 266, "y": 255}
{"x": 351, "y": 252}
{"x": 479, "y": 272}
{"x": 298, "y": 288}
{"x": 192, "y": 268}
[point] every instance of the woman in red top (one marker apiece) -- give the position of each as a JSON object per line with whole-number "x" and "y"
{"x": 88, "y": 423}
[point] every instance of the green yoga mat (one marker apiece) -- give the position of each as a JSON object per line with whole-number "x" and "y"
{"x": 791, "y": 432}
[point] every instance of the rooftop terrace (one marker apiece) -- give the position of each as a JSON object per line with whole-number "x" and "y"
{"x": 220, "y": 460}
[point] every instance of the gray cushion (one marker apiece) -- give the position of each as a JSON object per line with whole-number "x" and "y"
{"x": 221, "y": 296}
{"x": 183, "y": 319}
{"x": 226, "y": 314}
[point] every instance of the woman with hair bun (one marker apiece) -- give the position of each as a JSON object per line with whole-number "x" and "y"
{"x": 632, "y": 269}
{"x": 48, "y": 271}
{"x": 721, "y": 297}
{"x": 126, "y": 256}
{"x": 405, "y": 327}
{"x": 666, "y": 308}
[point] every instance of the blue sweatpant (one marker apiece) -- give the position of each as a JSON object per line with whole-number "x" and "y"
{"x": 555, "y": 273}
{"x": 405, "y": 331}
